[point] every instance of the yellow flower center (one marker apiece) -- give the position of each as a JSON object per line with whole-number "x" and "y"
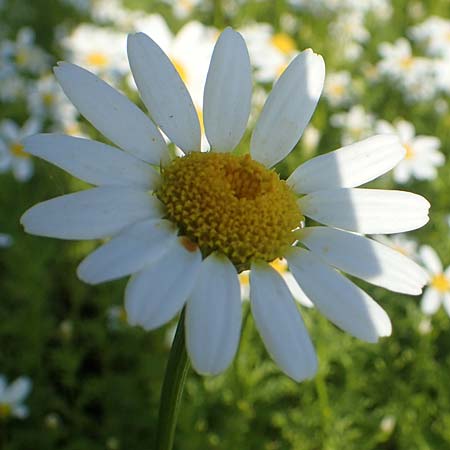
{"x": 337, "y": 89}
{"x": 406, "y": 62}
{"x": 283, "y": 42}
{"x": 48, "y": 99}
{"x": 5, "y": 410}
{"x": 97, "y": 59}
{"x": 231, "y": 204}
{"x": 18, "y": 150}
{"x": 409, "y": 151}
{"x": 441, "y": 283}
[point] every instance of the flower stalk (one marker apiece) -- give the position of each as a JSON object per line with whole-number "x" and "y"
{"x": 172, "y": 389}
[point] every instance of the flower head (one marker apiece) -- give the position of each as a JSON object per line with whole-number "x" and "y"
{"x": 12, "y": 397}
{"x": 185, "y": 231}
{"x": 438, "y": 290}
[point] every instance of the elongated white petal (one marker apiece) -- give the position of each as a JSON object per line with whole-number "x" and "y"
{"x": 349, "y": 166}
{"x": 129, "y": 252}
{"x": 279, "y": 323}
{"x": 92, "y": 161}
{"x": 163, "y": 92}
{"x": 446, "y": 303}
{"x": 369, "y": 211}
{"x": 17, "y": 391}
{"x": 159, "y": 291}
{"x": 431, "y": 301}
{"x": 430, "y": 259}
{"x": 112, "y": 113}
{"x": 213, "y": 316}
{"x": 342, "y": 302}
{"x": 91, "y": 214}
{"x": 365, "y": 258}
{"x": 288, "y": 108}
{"x": 228, "y": 90}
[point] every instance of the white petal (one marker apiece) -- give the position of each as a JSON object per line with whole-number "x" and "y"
{"x": 129, "y": 252}
{"x": 365, "y": 258}
{"x": 112, "y": 113}
{"x": 20, "y": 411}
{"x": 296, "y": 290}
{"x": 92, "y": 161}
{"x": 159, "y": 291}
{"x": 348, "y": 166}
{"x": 288, "y": 109}
{"x": 446, "y": 303}
{"x": 368, "y": 211}
{"x": 342, "y": 302}
{"x": 91, "y": 214}
{"x": 430, "y": 259}
{"x": 213, "y": 316}
{"x": 228, "y": 90}
{"x": 17, "y": 391}
{"x": 431, "y": 301}
{"x": 279, "y": 323}
{"x": 163, "y": 92}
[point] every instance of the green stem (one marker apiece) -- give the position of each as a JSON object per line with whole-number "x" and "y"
{"x": 172, "y": 389}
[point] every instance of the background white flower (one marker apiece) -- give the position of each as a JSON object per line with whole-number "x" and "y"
{"x": 12, "y": 397}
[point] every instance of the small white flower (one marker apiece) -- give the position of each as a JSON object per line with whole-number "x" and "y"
{"x": 12, "y": 154}
{"x": 438, "y": 290}
{"x": 338, "y": 88}
{"x": 270, "y": 52}
{"x": 6, "y": 240}
{"x": 185, "y": 232}
{"x": 356, "y": 124}
{"x": 12, "y": 397}
{"x": 435, "y": 33}
{"x": 414, "y": 75}
{"x": 97, "y": 48}
{"x": 422, "y": 154}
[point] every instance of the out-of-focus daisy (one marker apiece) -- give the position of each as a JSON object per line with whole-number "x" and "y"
{"x": 183, "y": 9}
{"x": 349, "y": 32}
{"x": 46, "y": 100}
{"x": 338, "y": 88}
{"x": 435, "y": 33}
{"x": 185, "y": 233}
{"x": 99, "y": 49}
{"x": 6, "y": 240}
{"x": 12, "y": 154}
{"x": 356, "y": 124}
{"x": 12, "y": 397}
{"x": 422, "y": 154}
{"x": 438, "y": 290}
{"x": 413, "y": 74}
{"x": 270, "y": 52}
{"x": 12, "y": 84}
{"x": 24, "y": 54}
{"x": 401, "y": 243}
{"x": 116, "y": 316}
{"x": 281, "y": 266}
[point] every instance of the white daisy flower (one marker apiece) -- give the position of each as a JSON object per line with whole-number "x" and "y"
{"x": 12, "y": 397}
{"x": 99, "y": 49}
{"x": 438, "y": 290}
{"x": 435, "y": 33}
{"x": 6, "y": 240}
{"x": 270, "y": 52}
{"x": 355, "y": 124}
{"x": 12, "y": 154}
{"x": 414, "y": 75}
{"x": 24, "y": 54}
{"x": 422, "y": 154}
{"x": 338, "y": 88}
{"x": 185, "y": 233}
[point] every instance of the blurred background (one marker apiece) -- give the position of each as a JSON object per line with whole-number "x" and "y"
{"x": 75, "y": 376}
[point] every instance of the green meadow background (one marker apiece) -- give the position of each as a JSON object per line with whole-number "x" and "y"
{"x": 96, "y": 380}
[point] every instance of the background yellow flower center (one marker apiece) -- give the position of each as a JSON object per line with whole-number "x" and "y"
{"x": 441, "y": 283}
{"x": 18, "y": 150}
{"x": 231, "y": 204}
